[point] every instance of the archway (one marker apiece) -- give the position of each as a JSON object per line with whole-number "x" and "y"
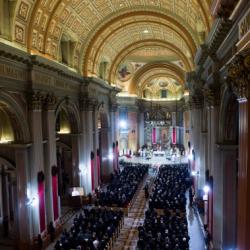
{"x": 8, "y": 176}
{"x": 103, "y": 143}
{"x": 67, "y": 151}
{"x": 8, "y": 200}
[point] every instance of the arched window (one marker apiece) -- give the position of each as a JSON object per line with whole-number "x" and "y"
{"x": 103, "y": 70}
{"x": 67, "y": 46}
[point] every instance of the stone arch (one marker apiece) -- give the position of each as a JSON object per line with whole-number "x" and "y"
{"x": 228, "y": 116}
{"x": 72, "y": 112}
{"x": 17, "y": 117}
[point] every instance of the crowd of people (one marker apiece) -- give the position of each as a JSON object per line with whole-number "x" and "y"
{"x": 123, "y": 186}
{"x": 169, "y": 188}
{"x": 168, "y": 231}
{"x": 91, "y": 229}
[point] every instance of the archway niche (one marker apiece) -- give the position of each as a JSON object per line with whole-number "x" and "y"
{"x": 103, "y": 143}
{"x": 8, "y": 174}
{"x": 67, "y": 156}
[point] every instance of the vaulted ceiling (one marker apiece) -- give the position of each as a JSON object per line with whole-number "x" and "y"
{"x": 114, "y": 32}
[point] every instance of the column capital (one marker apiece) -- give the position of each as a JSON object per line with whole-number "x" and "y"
{"x": 50, "y": 101}
{"x": 195, "y": 101}
{"x": 239, "y": 75}
{"x": 211, "y": 94}
{"x": 87, "y": 104}
{"x": 35, "y": 100}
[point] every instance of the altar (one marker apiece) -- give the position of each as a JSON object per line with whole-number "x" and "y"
{"x": 159, "y": 153}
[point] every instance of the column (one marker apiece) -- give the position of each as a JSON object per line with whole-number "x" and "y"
{"x": 50, "y": 157}
{"x": 238, "y": 77}
{"x": 141, "y": 129}
{"x": 37, "y": 161}
{"x": 195, "y": 141}
{"x": 95, "y": 144}
{"x": 87, "y": 128}
{"x": 76, "y": 171}
{"x": 25, "y": 213}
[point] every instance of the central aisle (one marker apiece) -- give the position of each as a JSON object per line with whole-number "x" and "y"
{"x": 129, "y": 233}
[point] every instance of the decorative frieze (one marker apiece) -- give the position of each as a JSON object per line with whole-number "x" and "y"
{"x": 239, "y": 75}
{"x": 11, "y": 72}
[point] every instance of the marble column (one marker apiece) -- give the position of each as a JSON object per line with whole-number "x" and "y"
{"x": 243, "y": 240}
{"x": 37, "y": 154}
{"x": 49, "y": 153}
{"x": 96, "y": 143}
{"x": 238, "y": 77}
{"x": 196, "y": 140}
{"x": 87, "y": 128}
{"x": 28, "y": 225}
{"x": 141, "y": 130}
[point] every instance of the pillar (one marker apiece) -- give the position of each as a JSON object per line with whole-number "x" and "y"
{"x": 50, "y": 159}
{"x": 87, "y": 138}
{"x": 196, "y": 140}
{"x": 76, "y": 171}
{"x": 37, "y": 161}
{"x": 141, "y": 129}
{"x": 238, "y": 78}
{"x": 25, "y": 213}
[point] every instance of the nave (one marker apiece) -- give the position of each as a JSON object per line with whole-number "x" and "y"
{"x": 129, "y": 234}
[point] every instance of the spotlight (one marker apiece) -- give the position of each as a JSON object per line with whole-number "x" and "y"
{"x": 110, "y": 156}
{"x": 190, "y": 157}
{"x": 123, "y": 124}
{"x": 206, "y": 189}
{"x": 193, "y": 173}
{"x": 33, "y": 202}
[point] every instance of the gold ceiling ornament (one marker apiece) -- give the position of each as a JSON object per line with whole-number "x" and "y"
{"x": 169, "y": 68}
{"x": 156, "y": 75}
{"x": 126, "y": 26}
{"x": 40, "y": 24}
{"x": 111, "y": 44}
{"x": 188, "y": 65}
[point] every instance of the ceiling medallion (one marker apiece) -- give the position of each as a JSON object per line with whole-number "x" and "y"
{"x": 125, "y": 72}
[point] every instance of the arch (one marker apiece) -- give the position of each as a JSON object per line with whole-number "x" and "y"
{"x": 228, "y": 103}
{"x": 150, "y": 78}
{"x": 191, "y": 46}
{"x": 142, "y": 44}
{"x": 188, "y": 36}
{"x": 152, "y": 66}
{"x": 5, "y": 162}
{"x": 17, "y": 117}
{"x": 72, "y": 111}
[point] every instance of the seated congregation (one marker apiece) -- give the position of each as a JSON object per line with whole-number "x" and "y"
{"x": 123, "y": 186}
{"x": 168, "y": 230}
{"x": 91, "y": 229}
{"x": 170, "y": 187}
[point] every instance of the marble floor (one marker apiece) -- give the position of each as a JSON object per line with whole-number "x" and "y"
{"x": 194, "y": 230}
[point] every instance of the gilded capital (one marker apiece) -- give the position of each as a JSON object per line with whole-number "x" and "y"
{"x": 239, "y": 75}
